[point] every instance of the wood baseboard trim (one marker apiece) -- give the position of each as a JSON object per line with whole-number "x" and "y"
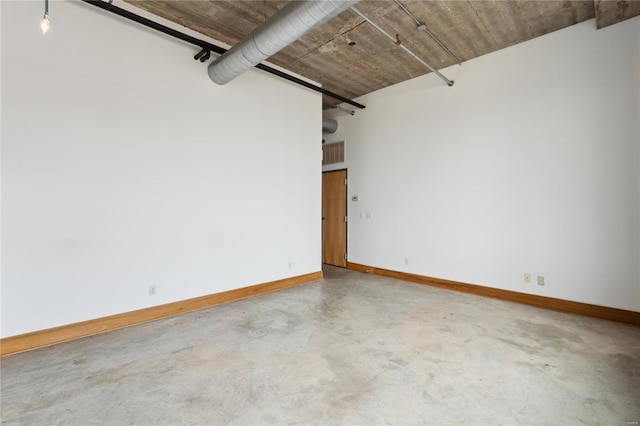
{"x": 596, "y": 311}
{"x": 51, "y": 336}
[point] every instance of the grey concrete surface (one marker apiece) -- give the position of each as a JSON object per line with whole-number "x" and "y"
{"x": 351, "y": 58}
{"x": 352, "y": 349}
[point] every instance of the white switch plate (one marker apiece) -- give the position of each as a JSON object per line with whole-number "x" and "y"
{"x": 527, "y": 278}
{"x": 540, "y": 280}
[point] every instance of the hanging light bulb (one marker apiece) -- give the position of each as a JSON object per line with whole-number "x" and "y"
{"x": 45, "y": 24}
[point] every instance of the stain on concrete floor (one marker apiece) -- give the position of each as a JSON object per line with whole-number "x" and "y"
{"x": 352, "y": 349}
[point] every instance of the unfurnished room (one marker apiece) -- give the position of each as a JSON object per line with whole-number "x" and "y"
{"x": 336, "y": 212}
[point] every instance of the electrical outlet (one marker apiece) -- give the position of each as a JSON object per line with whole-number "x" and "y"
{"x": 406, "y": 261}
{"x": 540, "y": 280}
{"x": 290, "y": 265}
{"x": 527, "y": 278}
{"x": 153, "y": 290}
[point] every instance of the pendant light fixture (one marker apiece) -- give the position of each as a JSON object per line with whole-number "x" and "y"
{"x": 45, "y": 24}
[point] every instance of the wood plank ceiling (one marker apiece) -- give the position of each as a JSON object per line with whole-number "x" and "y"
{"x": 349, "y": 57}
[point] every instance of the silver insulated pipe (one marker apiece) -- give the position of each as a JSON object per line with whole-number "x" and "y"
{"x": 329, "y": 125}
{"x": 279, "y": 31}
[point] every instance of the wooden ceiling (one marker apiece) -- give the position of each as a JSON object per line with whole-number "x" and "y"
{"x": 349, "y": 57}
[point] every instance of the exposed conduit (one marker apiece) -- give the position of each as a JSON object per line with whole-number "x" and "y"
{"x": 212, "y": 47}
{"x": 286, "y": 26}
{"x": 423, "y": 27}
{"x": 405, "y": 48}
{"x": 345, "y": 109}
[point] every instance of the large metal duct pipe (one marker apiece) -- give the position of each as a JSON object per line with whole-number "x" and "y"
{"x": 329, "y": 125}
{"x": 282, "y": 29}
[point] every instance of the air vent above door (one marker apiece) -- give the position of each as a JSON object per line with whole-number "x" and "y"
{"x": 333, "y": 153}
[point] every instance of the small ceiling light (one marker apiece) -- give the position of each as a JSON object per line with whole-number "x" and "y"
{"x": 206, "y": 56}
{"x": 45, "y": 24}
{"x": 203, "y": 55}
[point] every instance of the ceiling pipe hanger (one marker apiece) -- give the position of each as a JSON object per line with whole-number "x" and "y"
{"x": 399, "y": 43}
{"x": 204, "y": 45}
{"x": 423, "y": 27}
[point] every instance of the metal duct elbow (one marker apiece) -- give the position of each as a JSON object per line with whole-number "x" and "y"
{"x": 329, "y": 125}
{"x": 282, "y": 29}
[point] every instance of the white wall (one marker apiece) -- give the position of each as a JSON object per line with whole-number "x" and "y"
{"x": 530, "y": 163}
{"x": 123, "y": 166}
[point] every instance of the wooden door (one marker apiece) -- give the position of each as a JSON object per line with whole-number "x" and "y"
{"x": 334, "y": 213}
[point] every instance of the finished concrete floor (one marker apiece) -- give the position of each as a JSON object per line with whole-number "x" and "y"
{"x": 352, "y": 349}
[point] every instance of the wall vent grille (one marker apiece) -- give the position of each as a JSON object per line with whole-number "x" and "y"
{"x": 333, "y": 153}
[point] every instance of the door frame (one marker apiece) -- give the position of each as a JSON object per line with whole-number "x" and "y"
{"x": 346, "y": 212}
